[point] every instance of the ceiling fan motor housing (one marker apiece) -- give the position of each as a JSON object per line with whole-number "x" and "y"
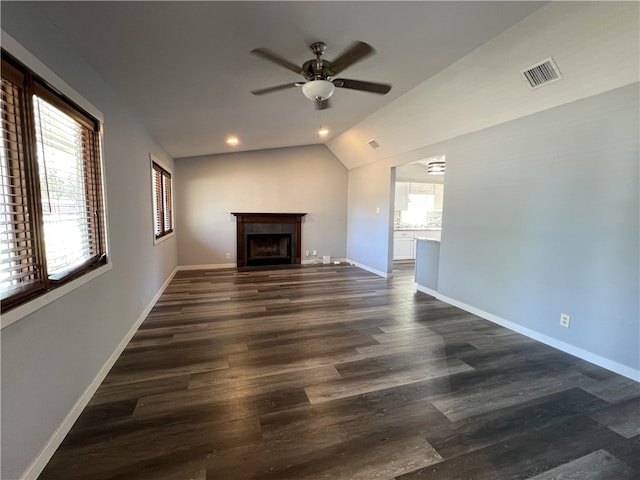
{"x": 317, "y": 69}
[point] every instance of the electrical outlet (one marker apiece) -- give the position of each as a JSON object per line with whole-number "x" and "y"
{"x": 564, "y": 320}
{"x": 315, "y": 252}
{"x": 306, "y": 252}
{"x": 228, "y": 255}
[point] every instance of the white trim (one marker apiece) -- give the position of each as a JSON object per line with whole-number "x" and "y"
{"x": 428, "y": 291}
{"x": 211, "y": 266}
{"x": 36, "y": 467}
{"x": 590, "y": 357}
{"x": 369, "y": 269}
{"x": 155, "y": 159}
{"x": 156, "y": 241}
{"x": 318, "y": 261}
{"x": 18, "y": 313}
{"x": 215, "y": 266}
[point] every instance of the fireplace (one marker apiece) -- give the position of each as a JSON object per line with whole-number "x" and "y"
{"x": 268, "y": 248}
{"x": 268, "y": 238}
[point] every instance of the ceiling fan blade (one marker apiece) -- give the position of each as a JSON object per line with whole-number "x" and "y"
{"x": 275, "y": 58}
{"x": 322, "y": 104}
{"x": 380, "y": 88}
{"x": 356, "y": 52}
{"x": 262, "y": 91}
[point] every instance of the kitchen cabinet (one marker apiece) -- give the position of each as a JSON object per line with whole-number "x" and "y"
{"x": 424, "y": 188}
{"x": 403, "y": 245}
{"x": 403, "y": 249}
{"x": 404, "y": 242}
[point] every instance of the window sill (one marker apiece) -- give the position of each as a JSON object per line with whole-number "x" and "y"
{"x": 156, "y": 241}
{"x": 18, "y": 313}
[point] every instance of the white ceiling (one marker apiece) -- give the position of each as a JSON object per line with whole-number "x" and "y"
{"x": 185, "y": 70}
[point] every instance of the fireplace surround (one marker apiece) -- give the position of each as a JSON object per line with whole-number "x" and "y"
{"x": 268, "y": 238}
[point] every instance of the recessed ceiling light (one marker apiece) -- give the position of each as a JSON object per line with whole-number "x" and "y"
{"x": 232, "y": 141}
{"x": 323, "y": 131}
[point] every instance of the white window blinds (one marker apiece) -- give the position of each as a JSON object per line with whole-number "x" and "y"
{"x": 19, "y": 272}
{"x": 64, "y": 207}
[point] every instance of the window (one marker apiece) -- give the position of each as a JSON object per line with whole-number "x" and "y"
{"x": 162, "y": 206}
{"x": 51, "y": 206}
{"x": 418, "y": 206}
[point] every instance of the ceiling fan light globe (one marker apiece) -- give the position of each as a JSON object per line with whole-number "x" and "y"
{"x": 318, "y": 89}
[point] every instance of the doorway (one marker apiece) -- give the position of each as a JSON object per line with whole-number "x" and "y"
{"x": 418, "y": 207}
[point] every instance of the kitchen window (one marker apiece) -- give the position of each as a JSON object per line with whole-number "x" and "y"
{"x": 418, "y": 206}
{"x": 52, "y": 222}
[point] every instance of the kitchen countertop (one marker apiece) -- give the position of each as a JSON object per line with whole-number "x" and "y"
{"x": 425, "y": 239}
{"x": 417, "y": 229}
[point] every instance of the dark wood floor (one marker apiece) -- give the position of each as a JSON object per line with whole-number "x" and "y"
{"x": 330, "y": 372}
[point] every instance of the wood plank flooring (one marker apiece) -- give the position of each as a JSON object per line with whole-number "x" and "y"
{"x": 330, "y": 372}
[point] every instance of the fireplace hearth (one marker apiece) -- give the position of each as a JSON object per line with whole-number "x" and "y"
{"x": 268, "y": 238}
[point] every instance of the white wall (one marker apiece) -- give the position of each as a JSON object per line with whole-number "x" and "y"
{"x": 50, "y": 357}
{"x": 542, "y": 218}
{"x": 506, "y": 265}
{"x": 595, "y": 45}
{"x": 369, "y": 238}
{"x": 307, "y": 180}
{"x": 416, "y": 172}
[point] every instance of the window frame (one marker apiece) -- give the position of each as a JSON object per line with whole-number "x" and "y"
{"x": 165, "y": 171}
{"x": 58, "y": 91}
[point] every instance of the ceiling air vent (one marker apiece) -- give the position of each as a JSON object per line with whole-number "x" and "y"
{"x": 373, "y": 144}
{"x": 542, "y": 73}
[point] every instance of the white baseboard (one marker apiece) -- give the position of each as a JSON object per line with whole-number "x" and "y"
{"x": 369, "y": 269}
{"x": 36, "y": 467}
{"x": 431, "y": 292}
{"x": 590, "y": 357}
{"x": 210, "y": 266}
{"x": 214, "y": 266}
{"x": 319, "y": 261}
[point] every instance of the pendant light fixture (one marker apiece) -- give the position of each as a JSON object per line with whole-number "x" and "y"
{"x": 436, "y": 167}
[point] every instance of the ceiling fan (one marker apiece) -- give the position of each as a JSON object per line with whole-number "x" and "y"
{"x": 319, "y": 74}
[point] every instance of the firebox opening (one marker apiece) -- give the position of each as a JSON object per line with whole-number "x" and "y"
{"x": 268, "y": 249}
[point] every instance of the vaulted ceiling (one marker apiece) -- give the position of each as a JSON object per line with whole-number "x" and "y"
{"x": 185, "y": 70}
